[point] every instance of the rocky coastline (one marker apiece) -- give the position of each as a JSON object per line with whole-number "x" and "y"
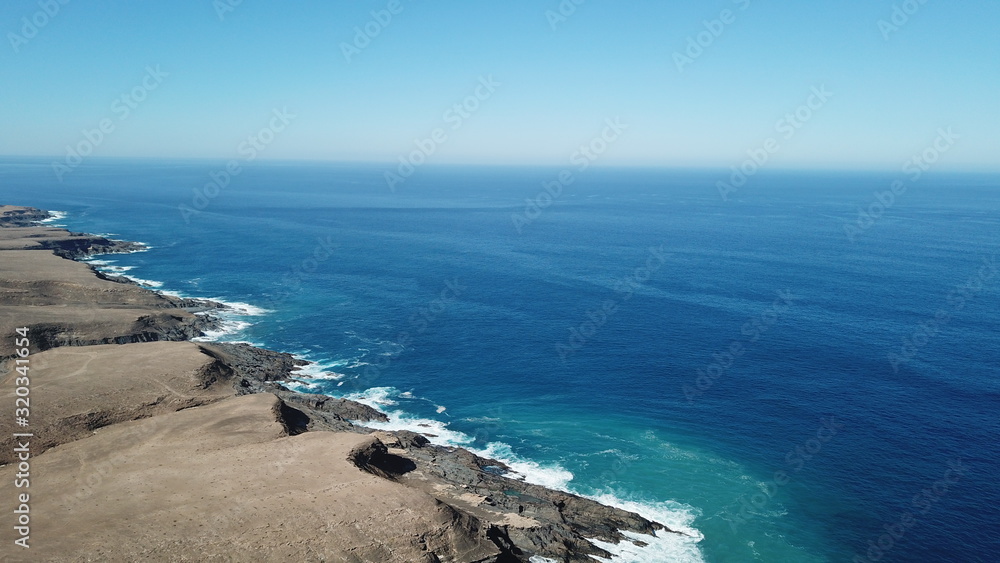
{"x": 117, "y": 378}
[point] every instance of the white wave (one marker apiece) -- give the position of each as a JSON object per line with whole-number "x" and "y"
{"x": 108, "y": 266}
{"x": 375, "y": 397}
{"x": 140, "y": 246}
{"x": 240, "y": 308}
{"x": 540, "y": 559}
{"x": 232, "y": 317}
{"x": 227, "y": 327}
{"x": 173, "y": 293}
{"x": 663, "y": 545}
{"x": 53, "y": 217}
{"x": 551, "y": 476}
{"x": 300, "y": 386}
{"x": 330, "y": 366}
{"x": 248, "y": 343}
{"x": 142, "y": 282}
{"x": 314, "y": 370}
{"x": 436, "y": 431}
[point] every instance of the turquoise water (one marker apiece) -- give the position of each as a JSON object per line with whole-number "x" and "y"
{"x": 721, "y": 366}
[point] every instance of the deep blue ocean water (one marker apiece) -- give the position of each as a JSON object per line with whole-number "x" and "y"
{"x": 721, "y": 366}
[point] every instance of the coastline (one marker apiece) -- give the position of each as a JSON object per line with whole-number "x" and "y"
{"x": 470, "y": 510}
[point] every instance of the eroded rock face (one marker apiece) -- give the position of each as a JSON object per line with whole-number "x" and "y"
{"x": 253, "y": 370}
{"x": 153, "y": 327}
{"x": 340, "y": 408}
{"x": 12, "y": 216}
{"x": 534, "y": 519}
{"x": 79, "y": 245}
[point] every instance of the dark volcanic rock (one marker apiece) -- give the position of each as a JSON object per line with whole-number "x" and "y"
{"x": 25, "y": 217}
{"x": 409, "y": 439}
{"x": 343, "y": 409}
{"x": 327, "y": 413}
{"x": 252, "y": 369}
{"x": 147, "y": 328}
{"x": 374, "y": 457}
{"x": 255, "y": 370}
{"x": 83, "y": 246}
{"x": 564, "y": 519}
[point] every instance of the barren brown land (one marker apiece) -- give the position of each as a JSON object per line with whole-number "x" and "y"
{"x": 146, "y": 446}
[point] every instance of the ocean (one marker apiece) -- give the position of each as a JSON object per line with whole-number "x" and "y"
{"x": 805, "y": 370}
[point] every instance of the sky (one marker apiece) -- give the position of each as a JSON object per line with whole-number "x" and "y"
{"x": 689, "y": 84}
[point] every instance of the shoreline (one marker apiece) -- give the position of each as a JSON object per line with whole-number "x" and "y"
{"x": 497, "y": 518}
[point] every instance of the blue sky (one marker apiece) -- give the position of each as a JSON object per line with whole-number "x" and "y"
{"x": 892, "y": 89}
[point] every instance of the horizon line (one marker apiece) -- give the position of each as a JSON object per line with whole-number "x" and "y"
{"x": 827, "y": 168}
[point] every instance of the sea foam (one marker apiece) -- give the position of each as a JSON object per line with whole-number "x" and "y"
{"x": 232, "y": 315}
{"x": 54, "y": 216}
{"x": 663, "y": 546}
